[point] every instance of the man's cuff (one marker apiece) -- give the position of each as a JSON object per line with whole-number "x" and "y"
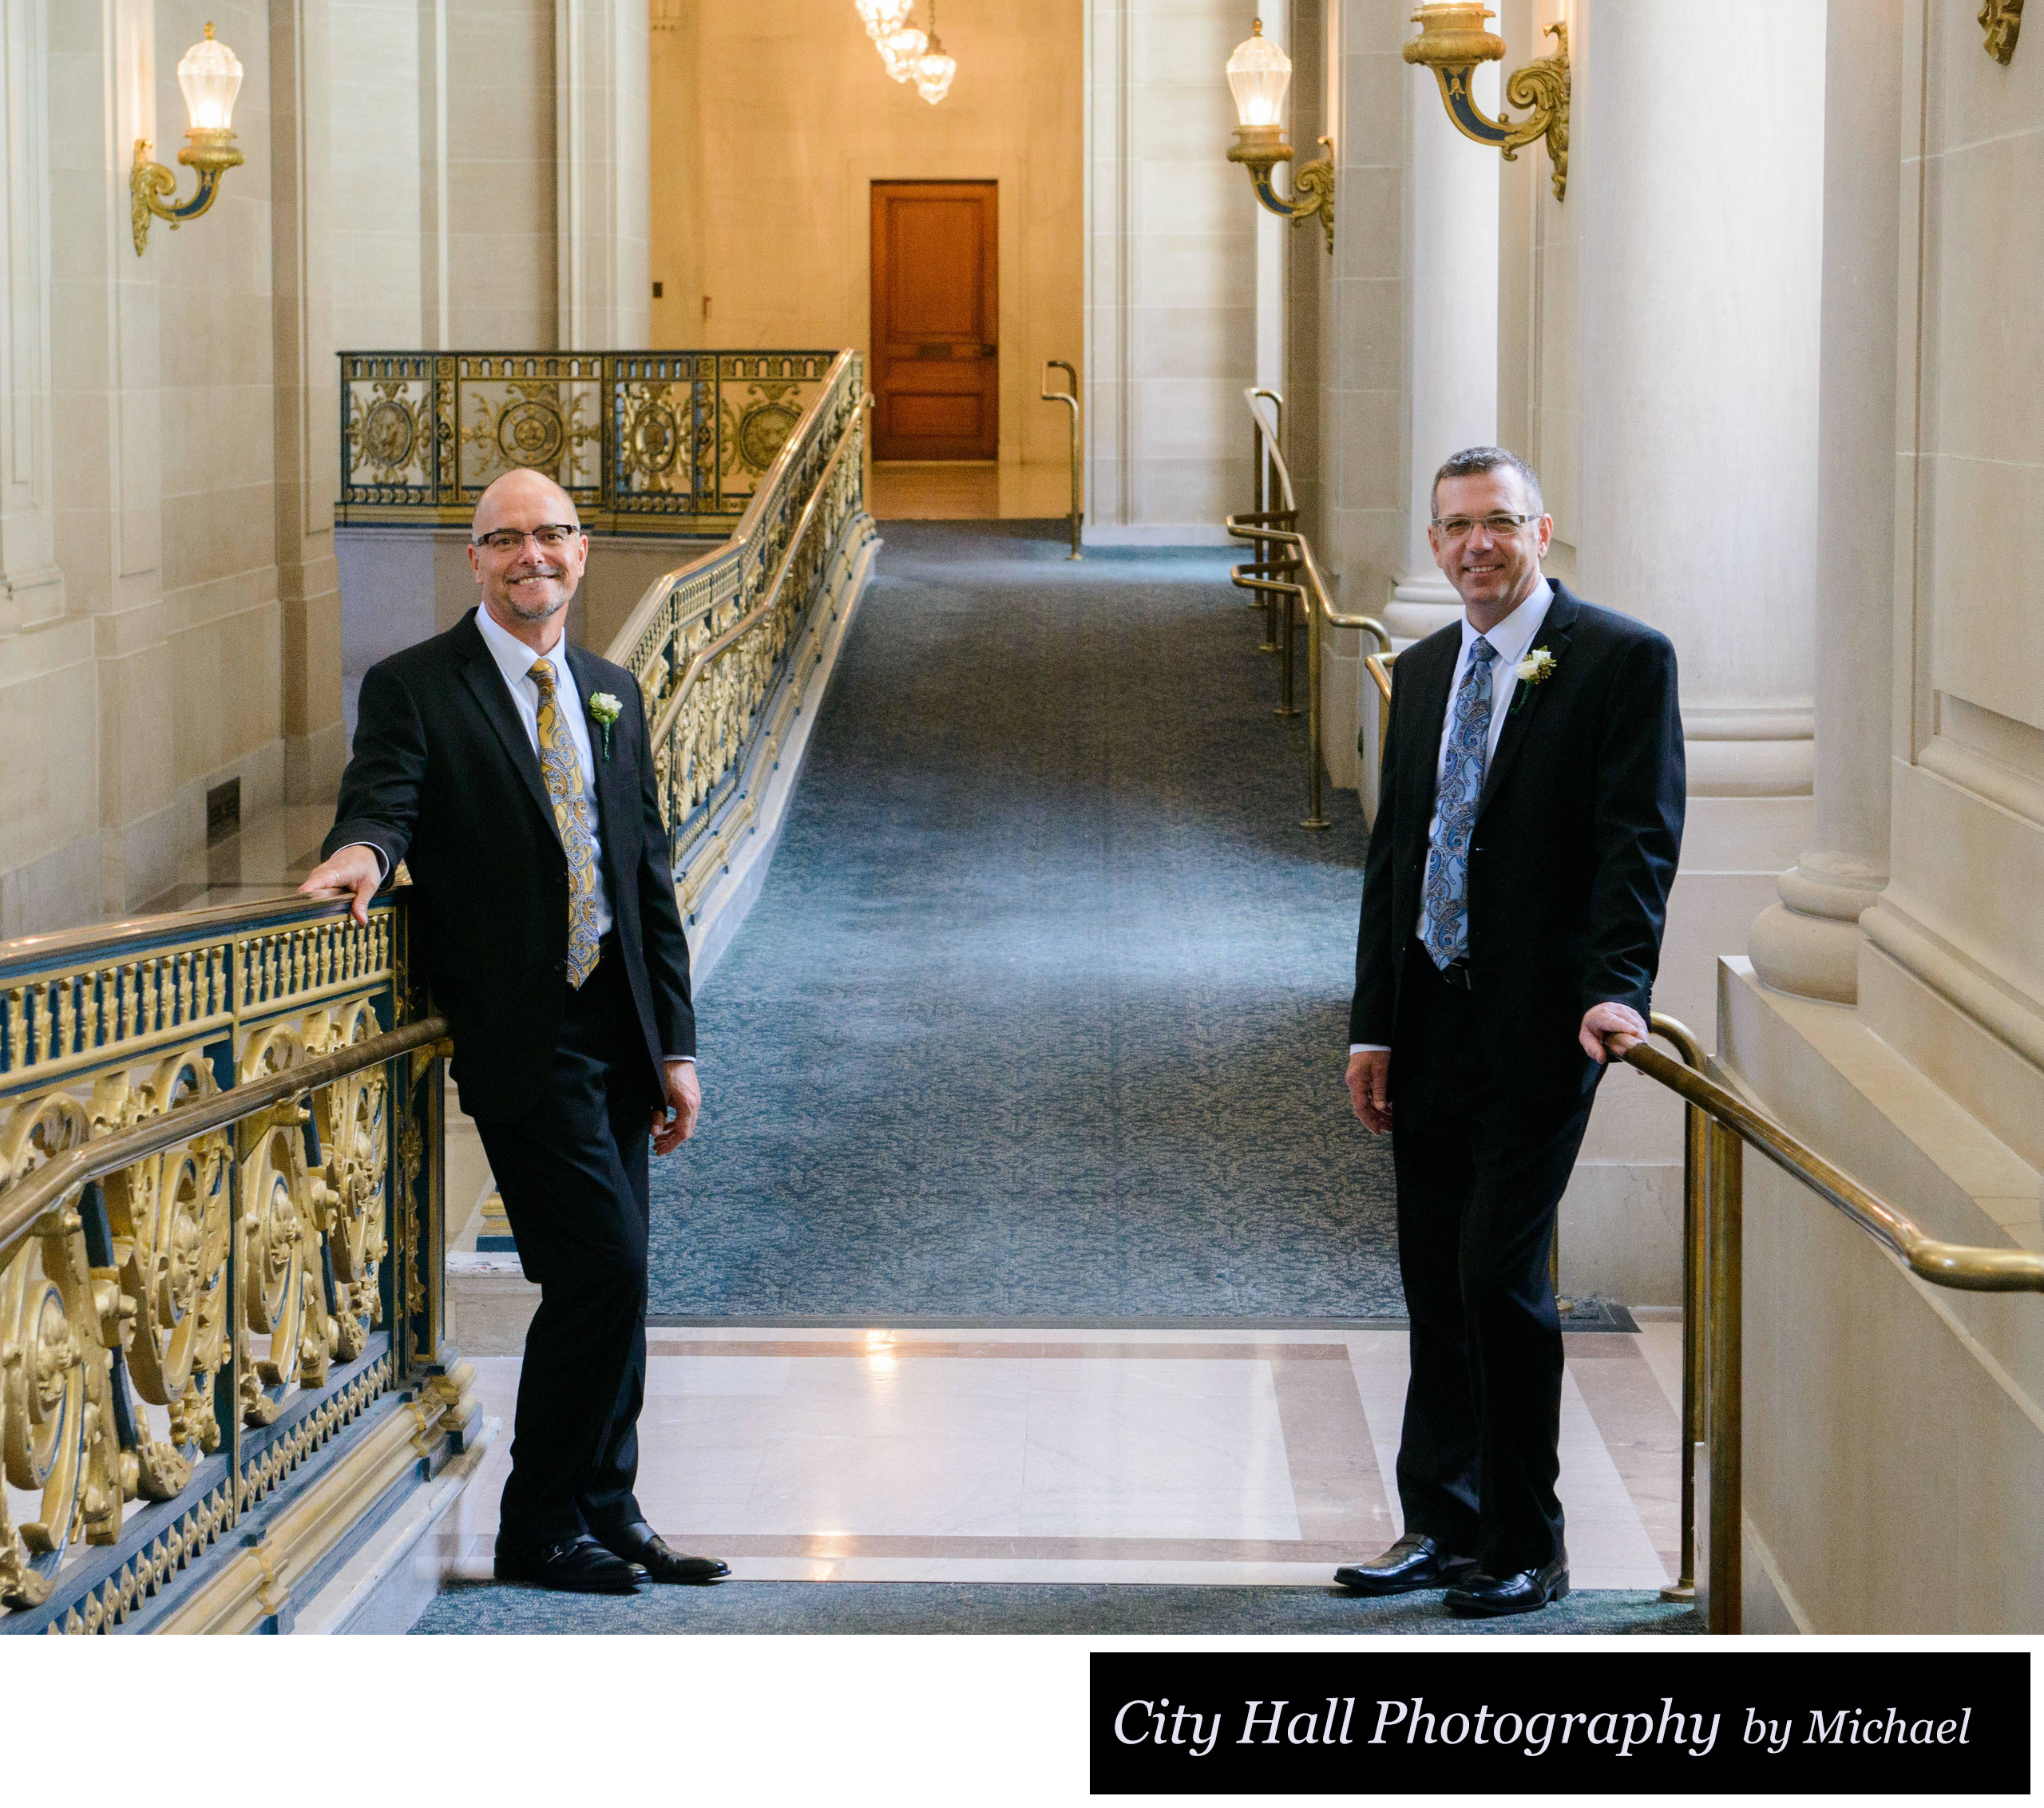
{"x": 1369, "y": 1048}
{"x": 382, "y": 865}
{"x": 670, "y": 1059}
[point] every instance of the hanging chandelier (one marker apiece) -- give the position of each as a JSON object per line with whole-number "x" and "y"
{"x": 881, "y": 17}
{"x": 901, "y": 50}
{"x": 934, "y": 69}
{"x": 907, "y": 53}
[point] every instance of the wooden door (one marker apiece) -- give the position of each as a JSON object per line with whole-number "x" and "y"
{"x": 936, "y": 354}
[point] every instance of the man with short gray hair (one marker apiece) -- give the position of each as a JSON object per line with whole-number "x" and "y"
{"x": 1529, "y": 821}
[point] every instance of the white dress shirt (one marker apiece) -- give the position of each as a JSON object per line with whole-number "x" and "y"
{"x": 1510, "y": 640}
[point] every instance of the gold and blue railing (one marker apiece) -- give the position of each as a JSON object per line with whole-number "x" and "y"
{"x": 762, "y": 450}
{"x": 221, "y": 1262}
{"x": 657, "y": 442}
{"x": 719, "y": 647}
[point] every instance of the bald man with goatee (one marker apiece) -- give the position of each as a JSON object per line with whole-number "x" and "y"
{"x": 511, "y": 772}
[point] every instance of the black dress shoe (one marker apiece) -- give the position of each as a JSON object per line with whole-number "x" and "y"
{"x": 638, "y": 1543}
{"x": 1415, "y": 1562}
{"x": 1525, "y": 1591}
{"x": 579, "y": 1565}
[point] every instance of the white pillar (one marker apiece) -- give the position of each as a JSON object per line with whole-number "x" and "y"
{"x": 1452, "y": 327}
{"x": 1808, "y": 943}
{"x": 1700, "y": 286}
{"x": 602, "y": 73}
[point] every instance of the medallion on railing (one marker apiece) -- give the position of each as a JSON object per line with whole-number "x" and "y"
{"x": 672, "y": 442}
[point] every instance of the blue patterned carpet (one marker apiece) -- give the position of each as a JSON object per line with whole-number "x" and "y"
{"x": 1095, "y": 1610}
{"x": 1042, "y": 1012}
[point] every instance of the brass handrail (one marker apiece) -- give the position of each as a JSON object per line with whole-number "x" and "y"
{"x": 1070, "y": 398}
{"x": 712, "y": 649}
{"x": 1965, "y": 1266}
{"x": 23, "y": 1203}
{"x": 1719, "y": 1124}
{"x": 1696, "y": 1206}
{"x": 62, "y": 944}
{"x": 1277, "y": 526}
{"x": 747, "y": 529}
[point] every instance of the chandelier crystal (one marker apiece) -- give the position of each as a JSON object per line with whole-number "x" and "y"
{"x": 883, "y": 17}
{"x": 933, "y": 69}
{"x": 901, "y": 50}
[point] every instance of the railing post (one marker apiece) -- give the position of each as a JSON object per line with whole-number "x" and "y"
{"x": 1726, "y": 1334}
{"x": 1696, "y": 1210}
{"x": 1316, "y": 817}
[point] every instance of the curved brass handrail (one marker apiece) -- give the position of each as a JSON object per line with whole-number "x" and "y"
{"x": 1070, "y": 398}
{"x": 712, "y": 649}
{"x": 1969, "y": 1267}
{"x": 647, "y": 606}
{"x": 62, "y": 944}
{"x": 27, "y": 1200}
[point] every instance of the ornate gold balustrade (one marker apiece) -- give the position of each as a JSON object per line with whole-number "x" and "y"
{"x": 714, "y": 644}
{"x": 221, "y": 1237}
{"x": 665, "y": 442}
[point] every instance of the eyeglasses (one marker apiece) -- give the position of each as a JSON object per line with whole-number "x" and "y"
{"x": 1460, "y": 526}
{"x": 549, "y": 539}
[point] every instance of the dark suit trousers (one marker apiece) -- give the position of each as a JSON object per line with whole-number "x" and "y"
{"x": 573, "y": 1172}
{"x": 1478, "y": 1185}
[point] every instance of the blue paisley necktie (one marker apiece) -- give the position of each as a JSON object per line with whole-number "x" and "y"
{"x": 563, "y": 767}
{"x": 1444, "y": 898}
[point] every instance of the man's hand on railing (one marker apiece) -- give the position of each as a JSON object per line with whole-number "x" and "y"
{"x": 1369, "y": 1086}
{"x": 1610, "y": 1029}
{"x": 355, "y": 869}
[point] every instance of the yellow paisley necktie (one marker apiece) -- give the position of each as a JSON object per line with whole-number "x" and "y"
{"x": 563, "y": 768}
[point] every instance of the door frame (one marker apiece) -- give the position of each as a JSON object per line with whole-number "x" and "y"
{"x": 989, "y": 277}
{"x": 858, "y": 172}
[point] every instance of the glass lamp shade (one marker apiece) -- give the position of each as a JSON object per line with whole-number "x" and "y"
{"x": 901, "y": 50}
{"x": 883, "y": 17}
{"x": 1258, "y": 74}
{"x": 933, "y": 73}
{"x": 210, "y": 74}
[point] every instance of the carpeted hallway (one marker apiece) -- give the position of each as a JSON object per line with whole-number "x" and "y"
{"x": 1042, "y": 1012}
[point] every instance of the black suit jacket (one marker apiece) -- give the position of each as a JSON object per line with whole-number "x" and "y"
{"x": 443, "y": 776}
{"x": 1578, "y": 827}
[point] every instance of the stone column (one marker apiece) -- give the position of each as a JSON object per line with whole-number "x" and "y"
{"x": 1700, "y": 286}
{"x": 306, "y": 400}
{"x": 1808, "y": 943}
{"x": 603, "y": 152}
{"x": 1452, "y": 327}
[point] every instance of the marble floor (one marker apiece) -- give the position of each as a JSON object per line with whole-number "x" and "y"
{"x": 1225, "y": 1457}
{"x": 944, "y": 492}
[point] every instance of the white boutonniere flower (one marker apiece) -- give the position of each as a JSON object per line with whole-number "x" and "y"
{"x": 1536, "y": 667}
{"x": 604, "y": 710}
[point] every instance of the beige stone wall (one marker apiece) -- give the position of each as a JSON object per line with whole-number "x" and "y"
{"x": 1171, "y": 248}
{"x": 775, "y": 121}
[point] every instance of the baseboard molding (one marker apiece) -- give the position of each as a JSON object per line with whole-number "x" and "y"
{"x": 392, "y": 1579}
{"x": 1158, "y": 533}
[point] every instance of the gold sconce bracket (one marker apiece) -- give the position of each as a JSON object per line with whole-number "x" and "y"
{"x": 1453, "y": 40}
{"x": 210, "y": 150}
{"x": 1261, "y": 148}
{"x": 2001, "y": 20}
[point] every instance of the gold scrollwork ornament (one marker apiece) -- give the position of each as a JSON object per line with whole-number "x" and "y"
{"x": 2002, "y": 21}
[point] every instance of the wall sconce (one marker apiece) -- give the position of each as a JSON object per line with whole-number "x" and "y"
{"x": 1258, "y": 74}
{"x": 210, "y": 74}
{"x": 1453, "y": 41}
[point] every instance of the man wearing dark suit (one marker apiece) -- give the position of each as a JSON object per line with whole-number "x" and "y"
{"x": 1528, "y": 822}
{"x": 543, "y": 907}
